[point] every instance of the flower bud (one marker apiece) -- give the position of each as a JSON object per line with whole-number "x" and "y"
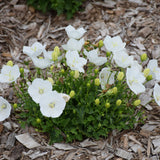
{"x": 137, "y": 102}
{"x": 97, "y": 82}
{"x": 62, "y": 71}
{"x": 118, "y": 102}
{"x": 100, "y": 44}
{"x": 88, "y": 84}
{"x": 76, "y": 74}
{"x": 15, "y": 105}
{"x": 149, "y": 77}
{"x": 54, "y": 56}
{"x": 50, "y": 80}
{"x": 38, "y": 120}
{"x": 72, "y": 93}
{"x": 21, "y": 70}
{"x": 107, "y": 105}
{"x": 57, "y": 50}
{"x": 51, "y": 68}
{"x": 146, "y": 72}
{"x": 108, "y": 54}
{"x": 96, "y": 71}
{"x": 72, "y": 73}
{"x": 10, "y": 63}
{"x": 144, "y": 57}
{"x": 99, "y": 125}
{"x": 114, "y": 90}
{"x": 97, "y": 101}
{"x": 120, "y": 76}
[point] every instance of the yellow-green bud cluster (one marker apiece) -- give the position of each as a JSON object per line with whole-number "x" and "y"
{"x": 10, "y": 63}
{"x": 97, "y": 101}
{"x": 100, "y": 44}
{"x": 72, "y": 93}
{"x": 120, "y": 76}
{"x": 76, "y": 74}
{"x": 97, "y": 82}
{"x": 137, "y": 102}
{"x": 146, "y": 72}
{"x": 144, "y": 57}
{"x": 118, "y": 102}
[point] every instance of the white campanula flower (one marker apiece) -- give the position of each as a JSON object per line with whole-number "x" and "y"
{"x": 74, "y": 61}
{"x": 5, "y": 109}
{"x": 42, "y": 62}
{"x": 35, "y": 50}
{"x": 122, "y": 59}
{"x": 156, "y": 93}
{"x": 73, "y": 44}
{"x": 136, "y": 65}
{"x": 154, "y": 69}
{"x": 38, "y": 88}
{"x": 106, "y": 77}
{"x": 74, "y": 33}
{"x": 135, "y": 80}
{"x": 94, "y": 58}
{"x": 52, "y": 104}
{"x": 66, "y": 97}
{"x": 114, "y": 44}
{"x": 9, "y": 74}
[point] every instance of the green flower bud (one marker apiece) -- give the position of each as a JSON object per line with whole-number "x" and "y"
{"x": 100, "y": 44}
{"x": 74, "y": 111}
{"x": 108, "y": 54}
{"x": 96, "y": 71}
{"x": 15, "y": 105}
{"x": 137, "y": 102}
{"x": 72, "y": 73}
{"x": 120, "y": 76}
{"x": 10, "y": 63}
{"x": 54, "y": 56}
{"x": 146, "y": 72}
{"x": 114, "y": 90}
{"x": 21, "y": 70}
{"x": 88, "y": 84}
{"x": 107, "y": 105}
{"x": 118, "y": 102}
{"x": 51, "y": 68}
{"x": 62, "y": 71}
{"x": 149, "y": 77}
{"x": 72, "y": 93}
{"x": 38, "y": 120}
{"x": 99, "y": 125}
{"x": 57, "y": 50}
{"x": 76, "y": 74}
{"x": 144, "y": 57}
{"x": 97, "y": 101}
{"x": 97, "y": 82}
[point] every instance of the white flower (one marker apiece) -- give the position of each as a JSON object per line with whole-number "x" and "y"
{"x": 41, "y": 62}
{"x": 74, "y": 61}
{"x": 106, "y": 77}
{"x": 38, "y": 88}
{"x": 122, "y": 59}
{"x": 5, "y": 109}
{"x": 156, "y": 93}
{"x": 136, "y": 65}
{"x": 52, "y": 104}
{"x": 94, "y": 58}
{"x": 66, "y": 97}
{"x": 9, "y": 74}
{"x": 135, "y": 80}
{"x": 154, "y": 69}
{"x": 73, "y": 45}
{"x": 35, "y": 50}
{"x": 73, "y": 33}
{"x": 114, "y": 44}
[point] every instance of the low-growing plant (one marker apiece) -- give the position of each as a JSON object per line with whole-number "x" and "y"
{"x": 68, "y": 7}
{"x": 77, "y": 93}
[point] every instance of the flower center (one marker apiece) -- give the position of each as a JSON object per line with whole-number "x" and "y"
{"x": 3, "y": 106}
{"x": 133, "y": 80}
{"x": 158, "y": 98}
{"x": 41, "y": 91}
{"x": 52, "y": 105}
{"x": 11, "y": 78}
{"x": 115, "y": 44}
{"x": 34, "y": 48}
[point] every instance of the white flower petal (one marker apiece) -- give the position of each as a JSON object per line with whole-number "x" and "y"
{"x": 156, "y": 93}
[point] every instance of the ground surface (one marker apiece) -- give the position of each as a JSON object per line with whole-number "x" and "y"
{"x": 138, "y": 24}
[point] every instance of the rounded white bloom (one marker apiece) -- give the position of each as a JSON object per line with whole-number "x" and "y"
{"x": 73, "y": 45}
{"x": 136, "y": 65}
{"x": 106, "y": 77}
{"x": 122, "y": 59}
{"x": 74, "y": 33}
{"x": 114, "y": 44}
{"x": 41, "y": 63}
{"x": 35, "y": 50}
{"x": 38, "y": 88}
{"x": 5, "y": 109}
{"x": 52, "y": 104}
{"x": 154, "y": 69}
{"x": 156, "y": 93}
{"x": 9, "y": 74}
{"x": 93, "y": 57}
{"x": 74, "y": 61}
{"x": 135, "y": 80}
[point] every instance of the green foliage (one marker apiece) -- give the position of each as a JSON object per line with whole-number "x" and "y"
{"x": 68, "y": 7}
{"x": 82, "y": 117}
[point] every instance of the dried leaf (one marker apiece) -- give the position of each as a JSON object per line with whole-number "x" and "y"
{"x": 63, "y": 146}
{"x": 87, "y": 143}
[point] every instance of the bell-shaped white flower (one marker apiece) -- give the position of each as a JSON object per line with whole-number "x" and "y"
{"x": 154, "y": 69}
{"x": 73, "y": 44}
{"x": 35, "y": 50}
{"x": 9, "y": 74}
{"x": 122, "y": 59}
{"x": 5, "y": 109}
{"x": 135, "y": 80}
{"x": 93, "y": 57}
{"x": 114, "y": 44}
{"x": 74, "y": 33}
{"x": 106, "y": 77}
{"x": 38, "y": 88}
{"x": 42, "y": 62}
{"x": 156, "y": 93}
{"x": 52, "y": 104}
{"x": 74, "y": 61}
{"x": 136, "y": 65}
